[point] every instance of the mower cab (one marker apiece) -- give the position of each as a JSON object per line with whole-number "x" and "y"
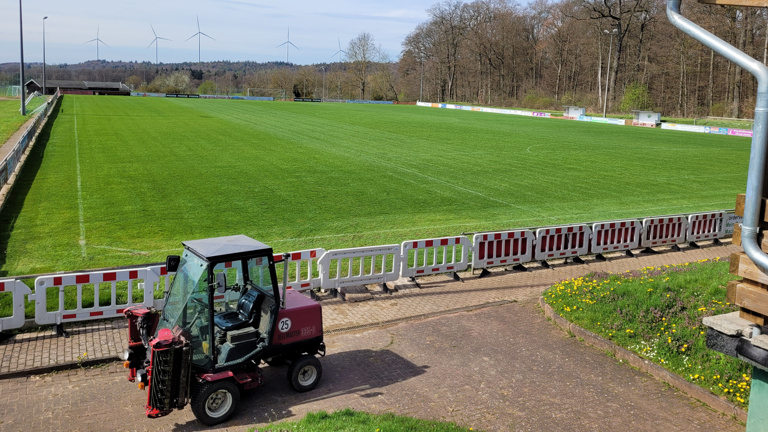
{"x": 224, "y": 314}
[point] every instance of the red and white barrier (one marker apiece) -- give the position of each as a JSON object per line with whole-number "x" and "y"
{"x": 705, "y": 226}
{"x": 18, "y": 291}
{"x": 145, "y": 280}
{"x": 615, "y": 236}
{"x": 502, "y": 248}
{"x": 303, "y": 269}
{"x": 432, "y": 256}
{"x": 561, "y": 242}
{"x": 359, "y": 266}
{"x": 660, "y": 231}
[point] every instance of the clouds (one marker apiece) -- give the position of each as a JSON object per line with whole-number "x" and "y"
{"x": 243, "y": 30}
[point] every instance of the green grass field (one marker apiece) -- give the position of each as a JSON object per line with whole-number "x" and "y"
{"x": 10, "y": 118}
{"x": 124, "y": 180}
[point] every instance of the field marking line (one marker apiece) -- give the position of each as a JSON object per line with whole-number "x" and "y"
{"x": 447, "y": 183}
{"x": 79, "y": 187}
{"x": 132, "y": 251}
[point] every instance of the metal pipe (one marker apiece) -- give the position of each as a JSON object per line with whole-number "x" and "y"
{"x": 758, "y": 151}
{"x": 286, "y": 256}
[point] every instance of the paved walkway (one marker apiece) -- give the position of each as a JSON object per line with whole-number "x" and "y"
{"x": 534, "y": 378}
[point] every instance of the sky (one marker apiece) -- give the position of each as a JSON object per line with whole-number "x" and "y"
{"x": 241, "y": 29}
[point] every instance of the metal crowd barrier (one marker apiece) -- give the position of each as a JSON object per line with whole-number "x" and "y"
{"x": 72, "y": 297}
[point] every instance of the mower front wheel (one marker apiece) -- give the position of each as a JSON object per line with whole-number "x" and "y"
{"x": 215, "y": 402}
{"x": 305, "y": 373}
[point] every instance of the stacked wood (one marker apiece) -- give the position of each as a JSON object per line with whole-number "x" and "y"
{"x": 749, "y": 3}
{"x": 751, "y": 292}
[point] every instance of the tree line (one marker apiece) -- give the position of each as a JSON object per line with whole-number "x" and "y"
{"x": 583, "y": 52}
{"x": 616, "y": 55}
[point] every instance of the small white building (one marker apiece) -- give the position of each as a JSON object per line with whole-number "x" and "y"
{"x": 646, "y": 118}
{"x": 573, "y": 112}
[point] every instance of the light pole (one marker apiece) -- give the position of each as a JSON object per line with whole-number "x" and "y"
{"x": 44, "y": 18}
{"x": 22, "y": 93}
{"x": 323, "y": 68}
{"x": 608, "y": 75}
{"x": 421, "y": 85}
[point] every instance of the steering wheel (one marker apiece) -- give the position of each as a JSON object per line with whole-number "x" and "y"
{"x": 199, "y": 302}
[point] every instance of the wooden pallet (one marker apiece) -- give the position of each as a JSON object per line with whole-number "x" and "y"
{"x": 751, "y": 292}
{"x": 748, "y": 3}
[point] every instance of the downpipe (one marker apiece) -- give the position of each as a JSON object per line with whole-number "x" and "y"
{"x": 749, "y": 226}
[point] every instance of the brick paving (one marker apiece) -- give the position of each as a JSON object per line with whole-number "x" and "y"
{"x": 496, "y": 368}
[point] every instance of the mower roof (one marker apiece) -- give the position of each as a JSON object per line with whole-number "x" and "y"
{"x": 226, "y": 248}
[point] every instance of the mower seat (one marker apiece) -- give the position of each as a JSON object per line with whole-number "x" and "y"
{"x": 248, "y": 311}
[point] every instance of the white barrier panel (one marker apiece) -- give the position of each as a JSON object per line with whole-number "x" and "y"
{"x": 705, "y": 226}
{"x": 561, "y": 242}
{"x": 660, "y": 231}
{"x": 359, "y": 266}
{"x": 95, "y": 282}
{"x": 18, "y": 290}
{"x": 615, "y": 236}
{"x": 502, "y": 248}
{"x": 303, "y": 270}
{"x": 432, "y": 256}
{"x": 163, "y": 284}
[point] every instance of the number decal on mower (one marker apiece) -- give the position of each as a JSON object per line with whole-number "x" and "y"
{"x": 284, "y": 325}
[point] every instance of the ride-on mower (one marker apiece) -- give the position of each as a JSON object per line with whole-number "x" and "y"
{"x": 209, "y": 340}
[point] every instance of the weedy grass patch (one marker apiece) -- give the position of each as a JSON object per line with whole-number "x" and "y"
{"x": 348, "y": 420}
{"x": 656, "y": 312}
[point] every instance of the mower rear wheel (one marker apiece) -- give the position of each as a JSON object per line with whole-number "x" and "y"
{"x": 215, "y": 402}
{"x": 305, "y": 373}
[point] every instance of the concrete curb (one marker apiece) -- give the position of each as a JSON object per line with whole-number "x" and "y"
{"x": 656, "y": 371}
{"x": 59, "y": 367}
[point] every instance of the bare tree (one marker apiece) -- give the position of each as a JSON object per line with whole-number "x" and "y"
{"x": 361, "y": 53}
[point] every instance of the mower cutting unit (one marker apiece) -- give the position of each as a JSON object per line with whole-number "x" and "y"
{"x": 208, "y": 342}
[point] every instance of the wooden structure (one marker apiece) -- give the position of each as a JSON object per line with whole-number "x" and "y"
{"x": 752, "y": 3}
{"x": 751, "y": 292}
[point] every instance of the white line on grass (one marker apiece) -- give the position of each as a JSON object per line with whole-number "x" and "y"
{"x": 131, "y": 251}
{"x": 79, "y": 186}
{"x": 455, "y": 186}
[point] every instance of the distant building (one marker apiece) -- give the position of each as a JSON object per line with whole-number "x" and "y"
{"x": 79, "y": 87}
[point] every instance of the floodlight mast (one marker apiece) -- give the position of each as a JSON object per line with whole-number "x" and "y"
{"x": 21, "y": 64}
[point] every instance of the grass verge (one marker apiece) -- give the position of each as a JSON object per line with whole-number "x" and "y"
{"x": 656, "y": 312}
{"x": 10, "y": 118}
{"x": 352, "y": 421}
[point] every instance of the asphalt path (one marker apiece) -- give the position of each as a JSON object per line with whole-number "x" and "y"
{"x": 495, "y": 368}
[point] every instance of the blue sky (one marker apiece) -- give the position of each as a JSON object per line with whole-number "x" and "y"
{"x": 243, "y": 30}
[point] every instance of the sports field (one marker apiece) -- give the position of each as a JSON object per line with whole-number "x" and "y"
{"x": 125, "y": 180}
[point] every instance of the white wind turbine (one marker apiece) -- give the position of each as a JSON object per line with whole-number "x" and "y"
{"x": 199, "y": 34}
{"x": 98, "y": 41}
{"x": 288, "y": 44}
{"x": 154, "y": 41}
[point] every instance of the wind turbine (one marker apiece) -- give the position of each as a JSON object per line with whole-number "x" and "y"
{"x": 98, "y": 41}
{"x": 154, "y": 41}
{"x": 288, "y": 45}
{"x": 198, "y": 34}
{"x": 339, "y": 52}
